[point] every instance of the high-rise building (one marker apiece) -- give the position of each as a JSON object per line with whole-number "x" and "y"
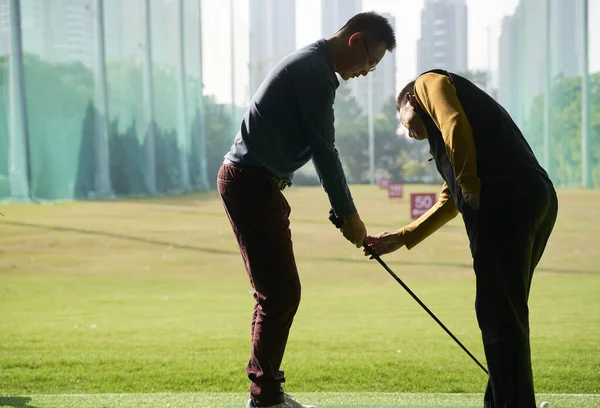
{"x": 114, "y": 26}
{"x": 523, "y": 62}
{"x": 509, "y": 64}
{"x": 335, "y": 13}
{"x": 55, "y": 30}
{"x": 165, "y": 33}
{"x": 4, "y": 27}
{"x": 565, "y": 37}
{"x": 443, "y": 42}
{"x": 34, "y": 27}
{"x": 383, "y": 81}
{"x": 272, "y": 36}
{"x": 69, "y": 30}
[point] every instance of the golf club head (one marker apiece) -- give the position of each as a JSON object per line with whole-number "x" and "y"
{"x": 335, "y": 220}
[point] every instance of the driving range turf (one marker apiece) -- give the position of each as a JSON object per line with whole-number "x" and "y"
{"x": 145, "y": 302}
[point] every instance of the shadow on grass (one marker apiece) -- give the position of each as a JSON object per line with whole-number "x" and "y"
{"x": 456, "y": 265}
{"x": 15, "y": 402}
{"x": 120, "y": 236}
{"x": 360, "y": 258}
{"x": 179, "y": 200}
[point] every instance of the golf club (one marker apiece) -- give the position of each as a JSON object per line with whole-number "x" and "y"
{"x": 338, "y": 222}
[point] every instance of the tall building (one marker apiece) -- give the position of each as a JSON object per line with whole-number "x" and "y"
{"x": 383, "y": 81}
{"x": 114, "y": 25}
{"x": 55, "y": 30}
{"x": 523, "y": 62}
{"x": 335, "y": 13}
{"x": 164, "y": 21}
{"x": 4, "y": 27}
{"x": 509, "y": 64}
{"x": 69, "y": 30}
{"x": 565, "y": 37}
{"x": 34, "y": 27}
{"x": 443, "y": 42}
{"x": 272, "y": 36}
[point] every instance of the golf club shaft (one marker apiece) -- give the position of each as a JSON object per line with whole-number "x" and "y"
{"x": 410, "y": 292}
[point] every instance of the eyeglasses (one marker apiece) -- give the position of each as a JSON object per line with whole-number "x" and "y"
{"x": 368, "y": 54}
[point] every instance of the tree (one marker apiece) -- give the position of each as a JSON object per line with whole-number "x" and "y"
{"x": 565, "y": 130}
{"x": 351, "y": 135}
{"x": 219, "y": 136}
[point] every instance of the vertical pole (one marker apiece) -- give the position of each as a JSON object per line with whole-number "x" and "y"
{"x": 585, "y": 103}
{"x": 371, "y": 129}
{"x": 488, "y": 81}
{"x": 232, "y": 46}
{"x": 19, "y": 167}
{"x": 150, "y": 145}
{"x": 103, "y": 184}
{"x": 547, "y": 92}
{"x": 204, "y": 184}
{"x": 182, "y": 129}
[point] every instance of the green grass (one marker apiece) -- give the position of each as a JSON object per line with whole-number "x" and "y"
{"x": 150, "y": 296}
{"x": 237, "y": 400}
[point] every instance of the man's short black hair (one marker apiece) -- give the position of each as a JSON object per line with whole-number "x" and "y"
{"x": 403, "y": 95}
{"x": 374, "y": 26}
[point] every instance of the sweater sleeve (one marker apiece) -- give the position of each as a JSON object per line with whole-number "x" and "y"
{"x": 437, "y": 96}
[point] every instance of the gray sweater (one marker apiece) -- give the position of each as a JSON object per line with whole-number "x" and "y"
{"x": 290, "y": 121}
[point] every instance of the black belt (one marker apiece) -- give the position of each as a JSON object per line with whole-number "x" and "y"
{"x": 279, "y": 182}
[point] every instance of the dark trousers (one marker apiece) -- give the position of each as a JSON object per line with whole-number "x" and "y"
{"x": 508, "y": 237}
{"x": 259, "y": 215}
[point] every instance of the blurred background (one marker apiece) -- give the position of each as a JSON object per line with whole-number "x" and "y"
{"x": 105, "y": 98}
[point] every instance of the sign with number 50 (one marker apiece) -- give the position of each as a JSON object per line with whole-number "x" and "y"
{"x": 420, "y": 203}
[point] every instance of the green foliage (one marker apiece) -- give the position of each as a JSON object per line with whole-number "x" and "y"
{"x": 56, "y": 97}
{"x": 393, "y": 151}
{"x": 565, "y": 130}
{"x": 219, "y": 137}
{"x": 62, "y": 117}
{"x": 351, "y": 135}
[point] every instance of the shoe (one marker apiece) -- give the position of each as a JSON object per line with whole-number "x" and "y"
{"x": 289, "y": 402}
{"x": 292, "y": 403}
{"x": 251, "y": 405}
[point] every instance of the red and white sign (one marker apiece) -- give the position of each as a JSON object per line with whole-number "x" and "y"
{"x": 395, "y": 190}
{"x": 383, "y": 183}
{"x": 420, "y": 203}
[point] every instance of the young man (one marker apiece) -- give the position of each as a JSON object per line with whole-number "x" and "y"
{"x": 290, "y": 121}
{"x": 509, "y": 207}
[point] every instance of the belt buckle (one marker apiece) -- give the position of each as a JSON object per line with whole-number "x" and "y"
{"x": 280, "y": 183}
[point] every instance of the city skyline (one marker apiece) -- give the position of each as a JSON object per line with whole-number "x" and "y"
{"x": 308, "y": 29}
{"x": 482, "y": 14}
{"x": 272, "y": 35}
{"x": 484, "y": 18}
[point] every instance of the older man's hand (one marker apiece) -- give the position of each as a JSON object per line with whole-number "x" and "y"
{"x": 384, "y": 243}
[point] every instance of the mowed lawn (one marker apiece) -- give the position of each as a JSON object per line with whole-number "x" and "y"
{"x": 150, "y": 296}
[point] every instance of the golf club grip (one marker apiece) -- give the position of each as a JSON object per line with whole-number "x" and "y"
{"x": 410, "y": 292}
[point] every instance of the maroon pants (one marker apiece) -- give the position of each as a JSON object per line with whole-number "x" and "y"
{"x": 259, "y": 215}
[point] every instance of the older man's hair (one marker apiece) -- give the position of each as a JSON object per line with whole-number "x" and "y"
{"x": 408, "y": 89}
{"x": 374, "y": 27}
